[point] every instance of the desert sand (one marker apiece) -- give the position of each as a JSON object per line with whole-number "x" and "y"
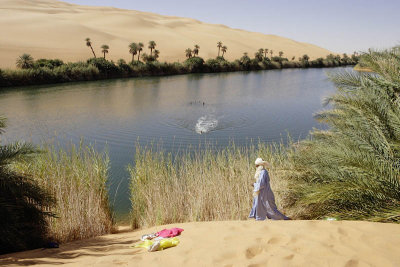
{"x": 235, "y": 243}
{"x": 54, "y": 29}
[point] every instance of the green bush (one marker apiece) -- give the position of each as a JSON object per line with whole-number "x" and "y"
{"x": 23, "y": 203}
{"x": 48, "y": 63}
{"x": 194, "y": 64}
{"x": 352, "y": 170}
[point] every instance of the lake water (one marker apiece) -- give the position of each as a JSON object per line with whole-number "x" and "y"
{"x": 177, "y": 110}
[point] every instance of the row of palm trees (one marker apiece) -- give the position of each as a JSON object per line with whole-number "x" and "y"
{"x": 134, "y": 49}
{"x": 262, "y": 53}
{"x": 192, "y": 53}
{"x": 137, "y": 48}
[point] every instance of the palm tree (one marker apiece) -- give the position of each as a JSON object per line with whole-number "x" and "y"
{"x": 156, "y": 54}
{"x": 265, "y": 52}
{"x": 261, "y": 51}
{"x": 196, "y": 50}
{"x": 25, "y": 61}
{"x": 89, "y": 44}
{"x": 152, "y": 45}
{"x": 305, "y": 57}
{"x": 293, "y": 58}
{"x": 258, "y": 55}
{"x": 105, "y": 50}
{"x": 219, "y": 45}
{"x": 139, "y": 48}
{"x": 351, "y": 171}
{"x": 223, "y": 49}
{"x": 133, "y": 47}
{"x": 271, "y": 52}
{"x": 188, "y": 53}
{"x": 22, "y": 201}
{"x": 280, "y": 53}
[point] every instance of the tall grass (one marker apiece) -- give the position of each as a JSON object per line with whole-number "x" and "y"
{"x": 199, "y": 184}
{"x": 77, "y": 180}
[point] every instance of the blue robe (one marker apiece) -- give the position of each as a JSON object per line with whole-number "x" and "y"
{"x": 264, "y": 203}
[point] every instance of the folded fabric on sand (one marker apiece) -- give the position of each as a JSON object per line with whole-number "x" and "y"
{"x": 170, "y": 232}
{"x": 164, "y": 243}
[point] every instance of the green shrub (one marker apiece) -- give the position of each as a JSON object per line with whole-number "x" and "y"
{"x": 194, "y": 64}
{"x": 351, "y": 171}
{"x": 48, "y": 63}
{"x": 23, "y": 203}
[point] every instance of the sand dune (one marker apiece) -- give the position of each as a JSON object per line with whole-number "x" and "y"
{"x": 54, "y": 29}
{"x": 235, "y": 243}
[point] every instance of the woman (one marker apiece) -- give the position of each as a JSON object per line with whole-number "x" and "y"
{"x": 264, "y": 201}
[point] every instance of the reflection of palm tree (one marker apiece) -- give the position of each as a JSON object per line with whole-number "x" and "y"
{"x": 151, "y": 46}
{"x": 23, "y": 201}
{"x": 140, "y": 48}
{"x": 223, "y": 49}
{"x": 105, "y": 50}
{"x": 219, "y": 45}
{"x": 133, "y": 50}
{"x": 196, "y": 50}
{"x": 188, "y": 53}
{"x": 25, "y": 61}
{"x": 89, "y": 44}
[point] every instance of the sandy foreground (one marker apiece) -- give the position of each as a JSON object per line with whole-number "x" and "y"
{"x": 235, "y": 243}
{"x": 54, "y": 29}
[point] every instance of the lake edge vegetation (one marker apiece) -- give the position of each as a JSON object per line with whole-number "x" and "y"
{"x": 51, "y": 71}
{"x": 350, "y": 171}
{"x": 51, "y": 195}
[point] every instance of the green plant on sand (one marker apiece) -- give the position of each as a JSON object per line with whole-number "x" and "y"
{"x": 24, "y": 204}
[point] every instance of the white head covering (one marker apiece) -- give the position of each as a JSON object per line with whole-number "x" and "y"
{"x": 261, "y": 162}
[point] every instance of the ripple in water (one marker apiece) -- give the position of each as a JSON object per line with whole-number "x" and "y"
{"x": 206, "y": 123}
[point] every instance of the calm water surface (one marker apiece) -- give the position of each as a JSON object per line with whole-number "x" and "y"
{"x": 177, "y": 110}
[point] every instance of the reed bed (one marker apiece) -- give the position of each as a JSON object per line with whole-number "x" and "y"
{"x": 77, "y": 180}
{"x": 199, "y": 184}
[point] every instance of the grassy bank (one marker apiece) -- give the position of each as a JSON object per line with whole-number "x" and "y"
{"x": 199, "y": 184}
{"x": 47, "y": 71}
{"x": 77, "y": 181}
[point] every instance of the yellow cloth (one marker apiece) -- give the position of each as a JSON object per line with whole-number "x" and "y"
{"x": 164, "y": 243}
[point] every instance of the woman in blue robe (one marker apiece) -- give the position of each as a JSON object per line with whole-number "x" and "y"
{"x": 264, "y": 200}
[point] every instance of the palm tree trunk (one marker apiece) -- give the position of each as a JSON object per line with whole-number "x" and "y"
{"x": 104, "y": 55}
{"x": 151, "y": 51}
{"x": 93, "y": 52}
{"x": 218, "y": 51}
{"x": 138, "y": 57}
{"x": 223, "y": 53}
{"x": 133, "y": 57}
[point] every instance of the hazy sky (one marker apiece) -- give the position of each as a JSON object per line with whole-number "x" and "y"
{"x": 340, "y": 25}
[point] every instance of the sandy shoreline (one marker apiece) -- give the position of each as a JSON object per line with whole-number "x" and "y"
{"x": 54, "y": 29}
{"x": 235, "y": 243}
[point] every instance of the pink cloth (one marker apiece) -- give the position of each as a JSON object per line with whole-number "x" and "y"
{"x": 170, "y": 232}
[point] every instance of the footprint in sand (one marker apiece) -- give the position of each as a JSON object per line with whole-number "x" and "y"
{"x": 253, "y": 251}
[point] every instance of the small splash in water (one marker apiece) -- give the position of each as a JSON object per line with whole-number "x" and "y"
{"x": 205, "y": 124}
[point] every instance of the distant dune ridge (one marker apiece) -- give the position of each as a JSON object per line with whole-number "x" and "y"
{"x": 54, "y": 29}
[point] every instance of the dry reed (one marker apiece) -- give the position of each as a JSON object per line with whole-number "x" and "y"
{"x": 77, "y": 180}
{"x": 202, "y": 184}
